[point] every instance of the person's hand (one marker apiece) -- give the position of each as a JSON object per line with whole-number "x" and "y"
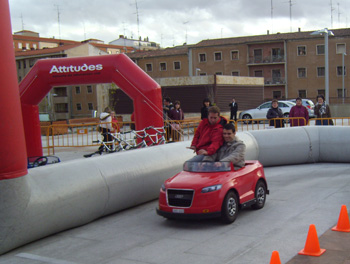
{"x": 202, "y": 152}
{"x": 193, "y": 147}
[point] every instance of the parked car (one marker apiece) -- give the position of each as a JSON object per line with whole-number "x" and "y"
{"x": 213, "y": 189}
{"x": 261, "y": 111}
{"x": 309, "y": 105}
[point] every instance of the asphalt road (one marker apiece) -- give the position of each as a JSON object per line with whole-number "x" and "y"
{"x": 300, "y": 195}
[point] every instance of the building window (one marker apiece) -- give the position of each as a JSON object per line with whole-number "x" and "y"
{"x": 302, "y": 93}
{"x": 341, "y": 48}
{"x": 78, "y": 106}
{"x": 89, "y": 89}
{"x": 218, "y": 56}
{"x": 177, "y": 65}
{"x": 301, "y": 50}
{"x": 218, "y": 73}
{"x": 149, "y": 67}
{"x": 320, "y": 49}
{"x": 234, "y": 55}
{"x": 320, "y": 71}
{"x": 20, "y": 45}
{"x": 340, "y": 71}
{"x": 202, "y": 57}
{"x": 258, "y": 55}
{"x": 61, "y": 108}
{"x": 258, "y": 73}
{"x": 235, "y": 73}
{"x": 77, "y": 89}
{"x": 203, "y": 74}
{"x": 24, "y": 64}
{"x": 34, "y": 46}
{"x": 90, "y": 106}
{"x": 301, "y": 72}
{"x": 19, "y": 64}
{"x": 276, "y": 55}
{"x": 276, "y": 94}
{"x": 162, "y": 66}
{"x": 60, "y": 91}
{"x": 27, "y": 46}
{"x": 323, "y": 92}
{"x": 340, "y": 93}
{"x": 31, "y": 62}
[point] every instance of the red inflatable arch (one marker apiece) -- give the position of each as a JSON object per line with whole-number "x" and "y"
{"x": 118, "y": 69}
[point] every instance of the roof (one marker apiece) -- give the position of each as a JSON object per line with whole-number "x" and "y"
{"x": 40, "y": 39}
{"x": 46, "y": 51}
{"x": 179, "y": 50}
{"x": 269, "y": 38}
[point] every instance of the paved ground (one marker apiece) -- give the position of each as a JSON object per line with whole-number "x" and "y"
{"x": 300, "y": 195}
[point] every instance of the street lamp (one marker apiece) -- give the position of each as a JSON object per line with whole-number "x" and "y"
{"x": 197, "y": 70}
{"x": 343, "y": 74}
{"x": 326, "y": 33}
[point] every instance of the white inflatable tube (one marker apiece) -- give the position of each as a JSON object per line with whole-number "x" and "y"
{"x": 58, "y": 197}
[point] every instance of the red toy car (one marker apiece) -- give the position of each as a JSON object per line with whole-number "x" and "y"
{"x": 213, "y": 189}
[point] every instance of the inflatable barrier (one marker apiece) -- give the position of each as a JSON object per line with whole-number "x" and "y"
{"x": 61, "y": 196}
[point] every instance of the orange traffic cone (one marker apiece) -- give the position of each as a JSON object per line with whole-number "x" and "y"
{"x": 312, "y": 246}
{"x": 343, "y": 221}
{"x": 275, "y": 258}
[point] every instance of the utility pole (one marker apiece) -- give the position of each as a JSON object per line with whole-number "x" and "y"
{"x": 138, "y": 24}
{"x": 58, "y": 21}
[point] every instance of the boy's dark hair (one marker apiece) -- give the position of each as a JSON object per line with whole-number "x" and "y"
{"x": 230, "y": 126}
{"x": 214, "y": 109}
{"x": 274, "y": 100}
{"x": 167, "y": 99}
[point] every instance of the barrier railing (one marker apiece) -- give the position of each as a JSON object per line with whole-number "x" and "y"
{"x": 83, "y": 135}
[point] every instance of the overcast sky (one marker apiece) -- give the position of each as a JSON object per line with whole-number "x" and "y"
{"x": 173, "y": 22}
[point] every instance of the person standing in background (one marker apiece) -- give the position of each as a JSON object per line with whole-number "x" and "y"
{"x": 204, "y": 109}
{"x": 167, "y": 107}
{"x": 299, "y": 111}
{"x": 234, "y": 108}
{"x": 322, "y": 111}
{"x": 176, "y": 114}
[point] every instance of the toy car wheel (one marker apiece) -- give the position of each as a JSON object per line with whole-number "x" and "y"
{"x": 229, "y": 209}
{"x": 260, "y": 195}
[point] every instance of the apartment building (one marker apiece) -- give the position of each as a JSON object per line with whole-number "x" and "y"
{"x": 292, "y": 64}
{"x": 68, "y": 102}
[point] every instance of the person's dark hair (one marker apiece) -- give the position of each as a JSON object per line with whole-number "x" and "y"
{"x": 320, "y": 96}
{"x": 298, "y": 98}
{"x": 177, "y": 102}
{"x": 214, "y": 109}
{"x": 274, "y": 100}
{"x": 167, "y": 99}
{"x": 107, "y": 110}
{"x": 206, "y": 100}
{"x": 230, "y": 126}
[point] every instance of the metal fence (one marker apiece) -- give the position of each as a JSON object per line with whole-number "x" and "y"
{"x": 83, "y": 135}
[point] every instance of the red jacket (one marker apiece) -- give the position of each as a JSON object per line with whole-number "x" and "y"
{"x": 299, "y": 111}
{"x": 209, "y": 137}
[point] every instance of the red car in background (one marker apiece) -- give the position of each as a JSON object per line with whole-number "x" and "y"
{"x": 213, "y": 189}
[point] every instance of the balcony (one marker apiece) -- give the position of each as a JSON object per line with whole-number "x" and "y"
{"x": 274, "y": 59}
{"x": 275, "y": 81}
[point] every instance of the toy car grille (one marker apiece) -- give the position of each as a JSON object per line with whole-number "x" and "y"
{"x": 180, "y": 198}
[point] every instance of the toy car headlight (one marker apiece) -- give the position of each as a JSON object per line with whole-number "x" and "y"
{"x": 211, "y": 188}
{"x": 163, "y": 187}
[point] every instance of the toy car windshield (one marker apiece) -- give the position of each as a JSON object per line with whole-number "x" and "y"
{"x": 205, "y": 166}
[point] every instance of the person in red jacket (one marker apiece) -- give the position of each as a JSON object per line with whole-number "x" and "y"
{"x": 299, "y": 111}
{"x": 208, "y": 137}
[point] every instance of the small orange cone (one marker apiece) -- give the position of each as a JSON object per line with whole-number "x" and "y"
{"x": 275, "y": 258}
{"x": 343, "y": 221}
{"x": 312, "y": 246}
